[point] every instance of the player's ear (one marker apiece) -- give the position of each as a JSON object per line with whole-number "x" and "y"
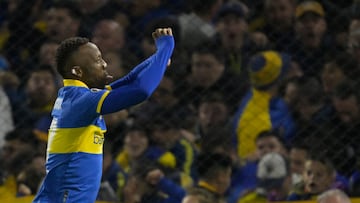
{"x": 76, "y": 71}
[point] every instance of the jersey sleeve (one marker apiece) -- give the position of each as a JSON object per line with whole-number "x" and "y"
{"x": 142, "y": 81}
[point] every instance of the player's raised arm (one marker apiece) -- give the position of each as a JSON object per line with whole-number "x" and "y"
{"x": 140, "y": 83}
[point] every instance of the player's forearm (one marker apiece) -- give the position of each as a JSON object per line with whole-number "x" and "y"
{"x": 141, "y": 83}
{"x": 150, "y": 77}
{"x": 155, "y": 63}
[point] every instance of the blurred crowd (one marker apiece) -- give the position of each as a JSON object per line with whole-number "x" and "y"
{"x": 261, "y": 101}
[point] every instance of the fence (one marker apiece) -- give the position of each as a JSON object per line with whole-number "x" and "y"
{"x": 246, "y": 78}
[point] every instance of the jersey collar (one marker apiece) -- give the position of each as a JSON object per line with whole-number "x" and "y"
{"x": 77, "y": 83}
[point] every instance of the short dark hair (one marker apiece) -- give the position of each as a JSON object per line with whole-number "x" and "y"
{"x": 271, "y": 133}
{"x": 65, "y": 51}
{"x": 208, "y": 164}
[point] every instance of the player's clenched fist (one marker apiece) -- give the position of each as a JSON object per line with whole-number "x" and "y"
{"x": 162, "y": 32}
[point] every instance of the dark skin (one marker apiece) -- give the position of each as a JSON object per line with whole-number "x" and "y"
{"x": 88, "y": 66}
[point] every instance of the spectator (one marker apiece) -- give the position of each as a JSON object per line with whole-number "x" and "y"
{"x": 148, "y": 184}
{"x": 167, "y": 135}
{"x": 62, "y": 21}
{"x": 311, "y": 107}
{"x": 16, "y": 154}
{"x": 28, "y": 180}
{"x": 246, "y": 179}
{"x": 346, "y": 102}
{"x": 214, "y": 172}
{"x": 93, "y": 12}
{"x": 258, "y": 108}
{"x": 274, "y": 180}
{"x": 33, "y": 109}
{"x": 24, "y": 36}
{"x": 298, "y": 155}
{"x": 47, "y": 55}
{"x": 333, "y": 196}
{"x": 338, "y": 69}
{"x": 212, "y": 114}
{"x": 234, "y": 38}
{"x": 279, "y": 23}
{"x": 208, "y": 73}
{"x": 197, "y": 26}
{"x": 109, "y": 36}
{"x": 311, "y": 38}
{"x": 165, "y": 99}
{"x": 319, "y": 175}
{"x": 137, "y": 146}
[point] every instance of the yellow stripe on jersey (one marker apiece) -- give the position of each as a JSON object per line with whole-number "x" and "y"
{"x": 88, "y": 139}
{"x": 254, "y": 120}
{"x": 101, "y": 101}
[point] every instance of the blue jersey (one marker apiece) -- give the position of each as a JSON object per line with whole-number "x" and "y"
{"x": 76, "y": 134}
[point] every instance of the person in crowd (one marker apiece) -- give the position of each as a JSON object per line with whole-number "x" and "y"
{"x": 62, "y": 21}
{"x": 148, "y": 183}
{"x": 299, "y": 153}
{"x": 32, "y": 109}
{"x": 16, "y": 154}
{"x": 166, "y": 132}
{"x": 214, "y": 171}
{"x": 318, "y": 177}
{"x": 212, "y": 114}
{"x": 345, "y": 100}
{"x": 109, "y": 35}
{"x": 24, "y": 37}
{"x": 279, "y": 21}
{"x": 311, "y": 106}
{"x": 311, "y": 37}
{"x": 138, "y": 146}
{"x": 234, "y": 39}
{"x": 197, "y": 26}
{"x": 273, "y": 180}
{"x": 338, "y": 69}
{"x": 93, "y": 12}
{"x": 257, "y": 110}
{"x": 246, "y": 180}
{"x": 208, "y": 73}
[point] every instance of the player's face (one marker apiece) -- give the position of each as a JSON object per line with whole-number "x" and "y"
{"x": 93, "y": 66}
